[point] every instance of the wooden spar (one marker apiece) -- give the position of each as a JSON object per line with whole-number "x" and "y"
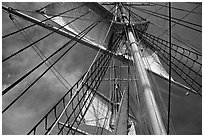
{"x": 83, "y": 42}
{"x": 153, "y": 111}
{"x": 151, "y": 105}
{"x": 61, "y": 32}
{"x": 122, "y": 117}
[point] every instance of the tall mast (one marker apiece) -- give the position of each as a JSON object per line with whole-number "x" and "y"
{"x": 153, "y": 111}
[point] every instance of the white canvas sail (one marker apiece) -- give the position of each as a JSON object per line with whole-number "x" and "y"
{"x": 184, "y": 108}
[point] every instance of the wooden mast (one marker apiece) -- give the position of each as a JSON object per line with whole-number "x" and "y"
{"x": 153, "y": 111}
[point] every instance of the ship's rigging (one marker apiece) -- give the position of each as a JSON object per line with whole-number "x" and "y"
{"x": 118, "y": 93}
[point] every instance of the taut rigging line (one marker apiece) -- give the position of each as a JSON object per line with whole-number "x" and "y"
{"x": 169, "y": 96}
{"x": 103, "y": 70}
{"x": 19, "y": 80}
{"x": 176, "y": 8}
{"x": 171, "y": 17}
{"x": 198, "y": 53}
{"x": 151, "y": 13}
{"x": 41, "y": 54}
{"x": 12, "y": 33}
{"x": 162, "y": 51}
{"x": 45, "y": 36}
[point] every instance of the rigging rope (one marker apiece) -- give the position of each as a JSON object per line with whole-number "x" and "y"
{"x": 157, "y": 39}
{"x": 54, "y": 108}
{"x": 171, "y": 17}
{"x": 182, "y": 18}
{"x": 83, "y": 93}
{"x": 110, "y": 81}
{"x": 199, "y": 3}
{"x": 176, "y": 8}
{"x": 104, "y": 123}
{"x": 23, "y": 77}
{"x": 102, "y": 74}
{"x": 47, "y": 35}
{"x": 157, "y": 10}
{"x": 72, "y": 98}
{"x": 189, "y": 76}
{"x": 97, "y": 63}
{"x": 175, "y": 24}
{"x": 97, "y": 129}
{"x": 181, "y": 41}
{"x": 157, "y": 15}
{"x": 170, "y": 49}
{"x": 85, "y": 103}
{"x": 41, "y": 55}
{"x": 7, "y": 35}
{"x": 77, "y": 92}
{"x": 7, "y": 89}
{"x": 89, "y": 100}
{"x": 158, "y": 99}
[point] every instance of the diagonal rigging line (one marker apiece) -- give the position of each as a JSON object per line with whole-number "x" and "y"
{"x": 55, "y": 106}
{"x": 175, "y": 65}
{"x": 197, "y": 52}
{"x": 177, "y": 38}
{"x": 157, "y": 10}
{"x": 34, "y": 128}
{"x": 191, "y": 47}
{"x": 70, "y": 101}
{"x": 151, "y": 13}
{"x": 45, "y": 36}
{"x": 90, "y": 98}
{"x": 176, "y": 8}
{"x": 154, "y": 37}
{"x": 20, "y": 79}
{"x": 105, "y": 108}
{"x": 95, "y": 87}
{"x": 167, "y": 17}
{"x": 76, "y": 93}
{"x": 107, "y": 61}
{"x": 200, "y": 3}
{"x": 180, "y": 19}
{"x": 108, "y": 107}
{"x": 104, "y": 41}
{"x": 73, "y": 17}
{"x": 41, "y": 74}
{"x": 49, "y": 63}
{"x": 7, "y": 35}
{"x": 83, "y": 33}
{"x": 83, "y": 102}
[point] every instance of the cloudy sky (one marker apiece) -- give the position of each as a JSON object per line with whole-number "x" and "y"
{"x": 21, "y": 117}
